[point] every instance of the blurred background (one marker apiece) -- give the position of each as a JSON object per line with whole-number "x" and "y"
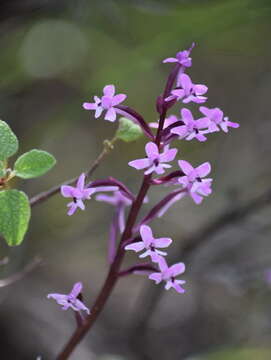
{"x": 56, "y": 55}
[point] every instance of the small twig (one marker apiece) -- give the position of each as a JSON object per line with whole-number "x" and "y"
{"x": 21, "y": 274}
{"x": 45, "y": 195}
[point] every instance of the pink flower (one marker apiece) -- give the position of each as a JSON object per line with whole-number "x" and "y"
{"x": 191, "y": 128}
{"x": 108, "y": 102}
{"x": 155, "y": 162}
{"x": 150, "y": 244}
{"x": 216, "y": 119}
{"x": 71, "y": 300}
{"x": 78, "y": 193}
{"x": 193, "y": 181}
{"x": 182, "y": 57}
{"x": 168, "y": 274}
{"x": 187, "y": 91}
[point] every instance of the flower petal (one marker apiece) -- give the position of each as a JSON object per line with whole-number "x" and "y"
{"x": 67, "y": 191}
{"x": 111, "y": 115}
{"x": 187, "y": 116}
{"x": 168, "y": 155}
{"x": 196, "y": 197}
{"x": 146, "y": 234}
{"x": 137, "y": 246}
{"x": 157, "y": 277}
{"x": 81, "y": 182}
{"x": 80, "y": 204}
{"x": 202, "y": 123}
{"x": 139, "y": 163}
{"x": 109, "y": 90}
{"x": 185, "y": 166}
{"x": 185, "y": 82}
{"x": 162, "y": 242}
{"x": 118, "y": 99}
{"x": 152, "y": 150}
{"x": 203, "y": 169}
{"x": 180, "y": 130}
{"x": 177, "y": 269}
{"x": 98, "y": 112}
{"x": 170, "y": 60}
{"x": 72, "y": 208}
{"x": 205, "y": 111}
{"x": 233, "y": 124}
{"x": 79, "y": 306}
{"x": 76, "y": 290}
{"x": 200, "y": 89}
{"x": 178, "y": 93}
{"x": 176, "y": 285}
{"x": 89, "y": 106}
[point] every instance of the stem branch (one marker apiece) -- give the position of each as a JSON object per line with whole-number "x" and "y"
{"x": 45, "y": 195}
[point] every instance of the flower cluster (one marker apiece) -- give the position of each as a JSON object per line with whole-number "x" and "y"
{"x": 151, "y": 247}
{"x": 190, "y": 181}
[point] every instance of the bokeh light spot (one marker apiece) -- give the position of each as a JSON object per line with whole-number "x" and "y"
{"x": 52, "y": 47}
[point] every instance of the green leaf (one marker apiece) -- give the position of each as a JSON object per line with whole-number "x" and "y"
{"x": 2, "y": 169}
{"x": 14, "y": 215}
{"x": 8, "y": 141}
{"x": 34, "y": 163}
{"x": 128, "y": 131}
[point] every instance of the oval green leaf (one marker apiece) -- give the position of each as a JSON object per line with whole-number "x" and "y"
{"x": 14, "y": 216}
{"x": 8, "y": 141}
{"x": 33, "y": 164}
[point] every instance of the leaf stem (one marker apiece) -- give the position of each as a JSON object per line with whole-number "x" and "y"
{"x": 45, "y": 195}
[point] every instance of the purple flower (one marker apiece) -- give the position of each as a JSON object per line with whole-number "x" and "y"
{"x": 216, "y": 119}
{"x": 187, "y": 91}
{"x": 120, "y": 201}
{"x": 168, "y": 274}
{"x": 77, "y": 193}
{"x": 71, "y": 300}
{"x": 193, "y": 181}
{"x": 150, "y": 244}
{"x": 182, "y": 57}
{"x": 107, "y": 103}
{"x": 191, "y": 128}
{"x": 155, "y": 162}
{"x": 168, "y": 121}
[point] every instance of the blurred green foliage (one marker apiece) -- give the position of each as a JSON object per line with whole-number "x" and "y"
{"x": 241, "y": 354}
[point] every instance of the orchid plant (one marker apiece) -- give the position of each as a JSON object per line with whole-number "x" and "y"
{"x": 129, "y": 232}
